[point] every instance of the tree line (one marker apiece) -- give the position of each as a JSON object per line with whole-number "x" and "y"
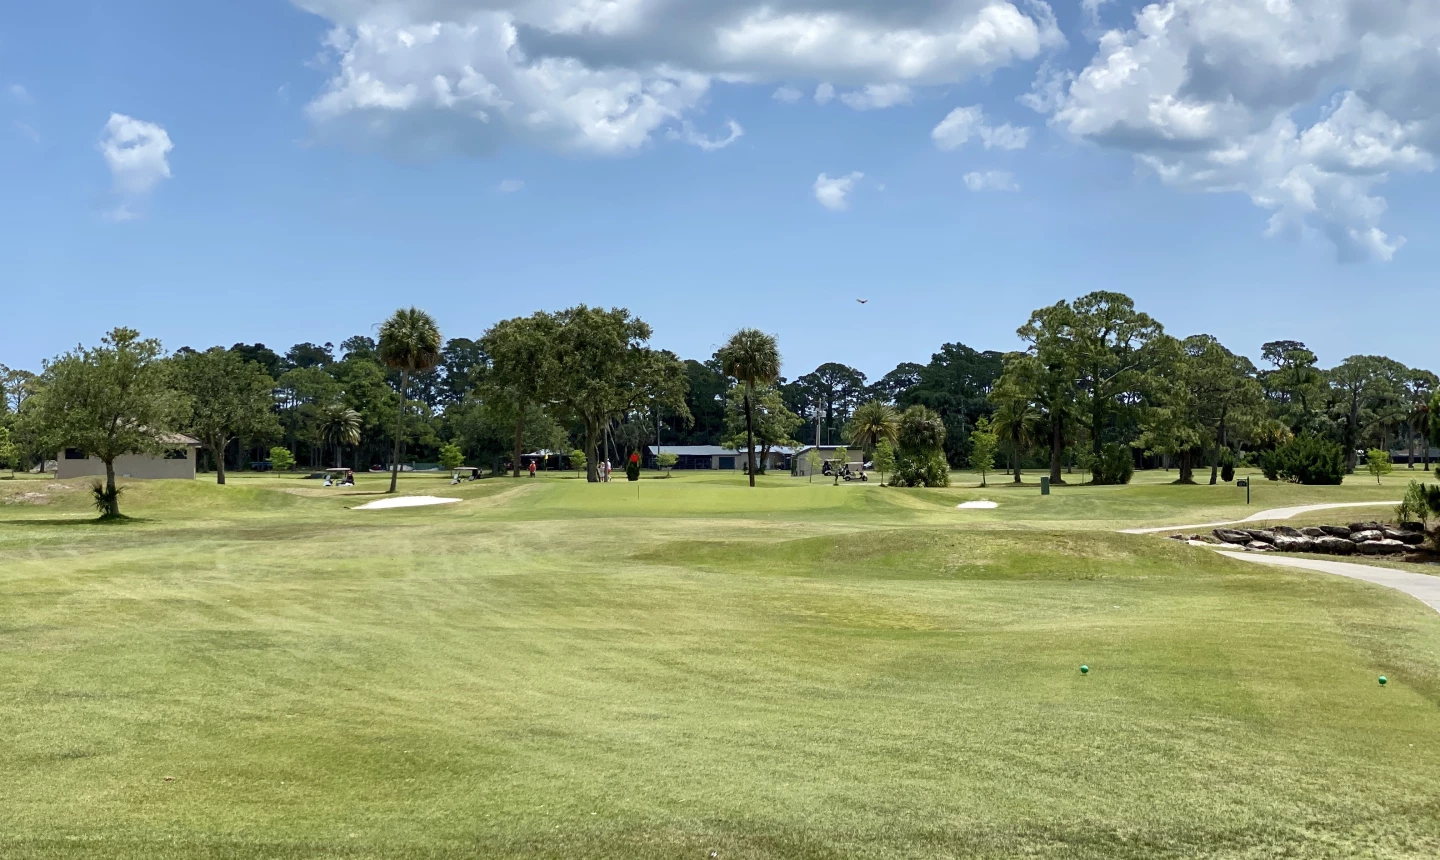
{"x": 1098, "y": 386}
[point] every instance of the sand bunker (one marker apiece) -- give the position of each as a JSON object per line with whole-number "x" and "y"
{"x": 983, "y": 505}
{"x": 405, "y": 502}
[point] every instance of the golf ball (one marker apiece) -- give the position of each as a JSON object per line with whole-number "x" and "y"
{"x": 1384, "y": 680}
{"x": 1085, "y": 670}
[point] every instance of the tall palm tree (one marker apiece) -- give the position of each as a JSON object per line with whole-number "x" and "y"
{"x": 753, "y": 358}
{"x": 409, "y": 342}
{"x": 340, "y": 425}
{"x": 873, "y": 423}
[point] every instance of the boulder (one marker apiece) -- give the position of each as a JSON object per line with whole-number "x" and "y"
{"x": 1404, "y": 536}
{"x": 1286, "y": 531}
{"x": 1258, "y": 546}
{"x": 1380, "y": 547}
{"x": 1285, "y": 543}
{"x": 1232, "y": 536}
{"x": 1413, "y": 527}
{"x": 1363, "y": 527}
{"x": 1313, "y": 532}
{"x": 1261, "y": 535}
{"x": 1177, "y": 537}
{"x": 1365, "y": 535}
{"x": 1332, "y": 545}
{"x": 1337, "y": 531}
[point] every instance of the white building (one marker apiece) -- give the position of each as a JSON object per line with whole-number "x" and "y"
{"x": 177, "y": 463}
{"x": 717, "y": 457}
{"x": 827, "y": 453}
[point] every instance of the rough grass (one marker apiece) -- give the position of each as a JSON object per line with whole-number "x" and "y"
{"x": 553, "y": 669}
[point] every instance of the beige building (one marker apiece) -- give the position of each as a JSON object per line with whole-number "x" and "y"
{"x": 716, "y": 457}
{"x": 177, "y": 463}
{"x": 827, "y": 453}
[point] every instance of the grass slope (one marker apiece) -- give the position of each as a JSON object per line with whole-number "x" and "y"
{"x": 555, "y": 669}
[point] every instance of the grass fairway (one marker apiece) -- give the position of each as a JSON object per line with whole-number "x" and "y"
{"x": 560, "y": 670}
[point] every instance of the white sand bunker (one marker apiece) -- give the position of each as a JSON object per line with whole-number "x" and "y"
{"x": 982, "y": 505}
{"x": 405, "y": 502}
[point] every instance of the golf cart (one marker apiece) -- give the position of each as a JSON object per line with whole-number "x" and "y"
{"x": 853, "y": 472}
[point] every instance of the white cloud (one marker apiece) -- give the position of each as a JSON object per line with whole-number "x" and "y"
{"x": 510, "y": 186}
{"x": 990, "y": 180}
{"x": 877, "y": 96}
{"x": 604, "y": 76}
{"x": 964, "y": 123}
{"x": 28, "y": 130}
{"x": 824, "y": 94}
{"x": 689, "y": 135}
{"x": 1207, "y": 95}
{"x": 787, "y": 95}
{"x": 20, "y": 94}
{"x": 137, "y": 153}
{"x": 834, "y": 192}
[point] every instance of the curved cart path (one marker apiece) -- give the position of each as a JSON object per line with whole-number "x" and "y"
{"x": 1418, "y": 585}
{"x": 1272, "y": 514}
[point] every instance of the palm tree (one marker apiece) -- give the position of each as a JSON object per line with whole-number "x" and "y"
{"x": 340, "y": 425}
{"x": 873, "y": 423}
{"x": 753, "y": 358}
{"x": 409, "y": 342}
{"x": 1016, "y": 419}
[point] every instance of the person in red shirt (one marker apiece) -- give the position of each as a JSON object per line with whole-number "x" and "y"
{"x": 532, "y": 468}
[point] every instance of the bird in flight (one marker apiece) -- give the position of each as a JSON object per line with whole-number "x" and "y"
{"x": 863, "y": 301}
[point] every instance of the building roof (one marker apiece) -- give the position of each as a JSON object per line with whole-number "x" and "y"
{"x": 179, "y": 439}
{"x": 708, "y": 450}
{"x": 822, "y": 448}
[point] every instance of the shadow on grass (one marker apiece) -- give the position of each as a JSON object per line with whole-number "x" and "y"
{"x": 121, "y": 520}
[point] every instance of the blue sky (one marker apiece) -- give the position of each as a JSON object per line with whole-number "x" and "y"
{"x": 314, "y": 180}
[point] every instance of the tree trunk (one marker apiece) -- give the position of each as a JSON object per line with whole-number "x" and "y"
{"x": 749, "y": 436}
{"x": 399, "y": 428}
{"x": 1219, "y": 446}
{"x": 1057, "y": 445}
{"x": 114, "y": 504}
{"x": 1187, "y": 467}
{"x": 592, "y": 442}
{"x": 220, "y": 459}
{"x": 519, "y": 443}
{"x": 1015, "y": 458}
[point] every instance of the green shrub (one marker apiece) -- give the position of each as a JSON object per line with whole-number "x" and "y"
{"x": 281, "y": 460}
{"x": 632, "y": 468}
{"x": 1227, "y": 465}
{"x": 107, "y": 502}
{"x": 1306, "y": 459}
{"x": 1115, "y": 465}
{"x": 926, "y": 470}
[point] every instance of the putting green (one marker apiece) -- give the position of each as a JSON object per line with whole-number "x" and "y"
{"x": 556, "y": 669}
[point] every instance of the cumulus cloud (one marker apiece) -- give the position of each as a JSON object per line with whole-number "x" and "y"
{"x": 510, "y": 186}
{"x": 787, "y": 95}
{"x": 1209, "y": 96}
{"x": 824, "y": 94}
{"x": 834, "y": 192}
{"x": 20, "y": 94}
{"x": 137, "y": 153}
{"x": 964, "y": 123}
{"x": 603, "y": 76}
{"x": 877, "y": 96}
{"x": 990, "y": 180}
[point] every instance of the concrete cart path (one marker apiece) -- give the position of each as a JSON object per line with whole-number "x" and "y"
{"x": 1272, "y": 514}
{"x": 1418, "y": 585}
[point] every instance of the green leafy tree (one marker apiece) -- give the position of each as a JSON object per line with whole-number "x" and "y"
{"x": 451, "y": 457}
{"x": 578, "y": 461}
{"x": 813, "y": 461}
{"x": 519, "y": 371}
{"x": 9, "y": 451}
{"x": 1049, "y": 376}
{"x": 1017, "y": 420}
{"x": 281, "y": 460}
{"x": 1359, "y": 385}
{"x": 108, "y": 401}
{"x": 1294, "y": 386}
{"x": 770, "y": 424}
{"x": 872, "y": 423}
{"x": 1110, "y": 346}
{"x": 409, "y": 342}
{"x": 1377, "y": 463}
{"x": 885, "y": 458}
{"x": 605, "y": 368}
{"x": 752, "y": 358}
{"x": 667, "y": 461}
{"x": 228, "y": 397}
{"x": 920, "y": 456}
{"x": 983, "y": 446}
{"x": 842, "y": 458}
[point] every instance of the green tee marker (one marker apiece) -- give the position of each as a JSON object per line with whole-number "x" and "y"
{"x": 1085, "y": 670}
{"x": 1384, "y": 680}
